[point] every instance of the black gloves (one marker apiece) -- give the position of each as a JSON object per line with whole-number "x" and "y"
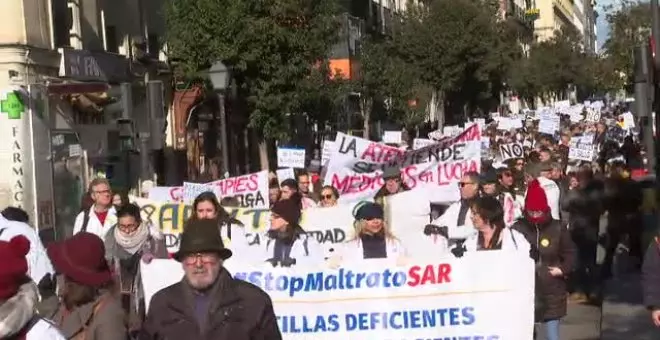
{"x": 432, "y": 229}
{"x": 288, "y": 262}
{"x": 459, "y": 250}
{"x": 47, "y": 286}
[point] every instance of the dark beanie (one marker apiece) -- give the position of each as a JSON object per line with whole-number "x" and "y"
{"x": 288, "y": 209}
{"x": 369, "y": 211}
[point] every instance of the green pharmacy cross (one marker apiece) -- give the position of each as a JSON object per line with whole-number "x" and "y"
{"x": 12, "y": 106}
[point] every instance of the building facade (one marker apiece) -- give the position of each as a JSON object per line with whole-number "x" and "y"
{"x": 61, "y": 63}
{"x": 553, "y": 16}
{"x": 590, "y": 32}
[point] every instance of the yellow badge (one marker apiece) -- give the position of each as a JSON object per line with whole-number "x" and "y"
{"x": 545, "y": 242}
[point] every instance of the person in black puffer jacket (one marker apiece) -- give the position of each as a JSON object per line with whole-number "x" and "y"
{"x": 554, "y": 253}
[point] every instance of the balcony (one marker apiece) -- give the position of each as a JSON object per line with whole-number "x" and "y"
{"x": 565, "y": 7}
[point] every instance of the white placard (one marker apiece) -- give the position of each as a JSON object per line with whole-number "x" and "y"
{"x": 285, "y": 173}
{"x": 549, "y": 124}
{"x": 326, "y": 153}
{"x": 291, "y": 158}
{"x": 419, "y": 143}
{"x": 511, "y": 150}
{"x": 581, "y": 149}
{"x": 392, "y": 137}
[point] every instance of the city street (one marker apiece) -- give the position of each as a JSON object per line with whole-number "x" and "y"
{"x": 624, "y": 315}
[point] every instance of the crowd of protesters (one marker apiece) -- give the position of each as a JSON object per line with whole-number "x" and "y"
{"x": 543, "y": 205}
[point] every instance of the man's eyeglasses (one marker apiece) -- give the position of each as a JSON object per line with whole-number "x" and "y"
{"x": 506, "y": 174}
{"x": 204, "y": 258}
{"x": 462, "y": 184}
{"x": 127, "y": 228}
{"x": 102, "y": 192}
{"x": 327, "y": 197}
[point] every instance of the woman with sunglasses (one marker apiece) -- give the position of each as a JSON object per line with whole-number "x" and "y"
{"x": 554, "y": 253}
{"x": 373, "y": 237}
{"x": 329, "y": 196}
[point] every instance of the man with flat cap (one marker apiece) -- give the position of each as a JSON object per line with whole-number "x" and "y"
{"x": 208, "y": 303}
{"x": 393, "y": 183}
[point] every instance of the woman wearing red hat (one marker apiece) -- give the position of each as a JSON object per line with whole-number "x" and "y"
{"x": 19, "y": 296}
{"x": 87, "y": 308}
{"x": 554, "y": 253}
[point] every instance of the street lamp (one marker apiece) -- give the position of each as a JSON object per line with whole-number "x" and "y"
{"x": 220, "y": 76}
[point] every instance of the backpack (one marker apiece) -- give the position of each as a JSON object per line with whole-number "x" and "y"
{"x": 85, "y": 222}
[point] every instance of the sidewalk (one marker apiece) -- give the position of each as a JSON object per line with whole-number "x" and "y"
{"x": 624, "y": 315}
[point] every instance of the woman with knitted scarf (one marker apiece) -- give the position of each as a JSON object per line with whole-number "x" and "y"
{"x": 19, "y": 297}
{"x": 130, "y": 241}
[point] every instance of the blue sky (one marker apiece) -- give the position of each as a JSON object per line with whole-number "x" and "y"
{"x": 601, "y": 24}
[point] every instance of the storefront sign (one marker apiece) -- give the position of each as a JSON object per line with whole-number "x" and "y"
{"x": 93, "y": 66}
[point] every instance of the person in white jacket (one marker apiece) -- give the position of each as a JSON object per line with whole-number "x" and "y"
{"x": 488, "y": 219}
{"x": 373, "y": 238}
{"x": 234, "y": 235}
{"x": 100, "y": 218}
{"x": 39, "y": 265}
{"x": 286, "y": 244}
{"x": 19, "y": 296}
{"x": 457, "y": 217}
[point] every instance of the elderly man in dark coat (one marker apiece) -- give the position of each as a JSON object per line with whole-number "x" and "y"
{"x": 209, "y": 304}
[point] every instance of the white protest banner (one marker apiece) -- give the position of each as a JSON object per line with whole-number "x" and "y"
{"x": 511, "y": 150}
{"x": 549, "y": 124}
{"x": 166, "y": 194}
{"x": 328, "y": 225}
{"x": 581, "y": 149}
{"x": 326, "y": 153}
{"x": 357, "y": 165}
{"x": 286, "y": 173}
{"x": 392, "y": 137}
{"x": 291, "y": 158}
{"x": 419, "y": 143}
{"x": 431, "y": 298}
{"x": 251, "y": 190}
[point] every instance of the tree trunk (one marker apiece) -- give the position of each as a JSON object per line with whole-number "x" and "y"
{"x": 366, "y": 115}
{"x": 263, "y": 153}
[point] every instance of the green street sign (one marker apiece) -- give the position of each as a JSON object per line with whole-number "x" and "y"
{"x": 12, "y": 106}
